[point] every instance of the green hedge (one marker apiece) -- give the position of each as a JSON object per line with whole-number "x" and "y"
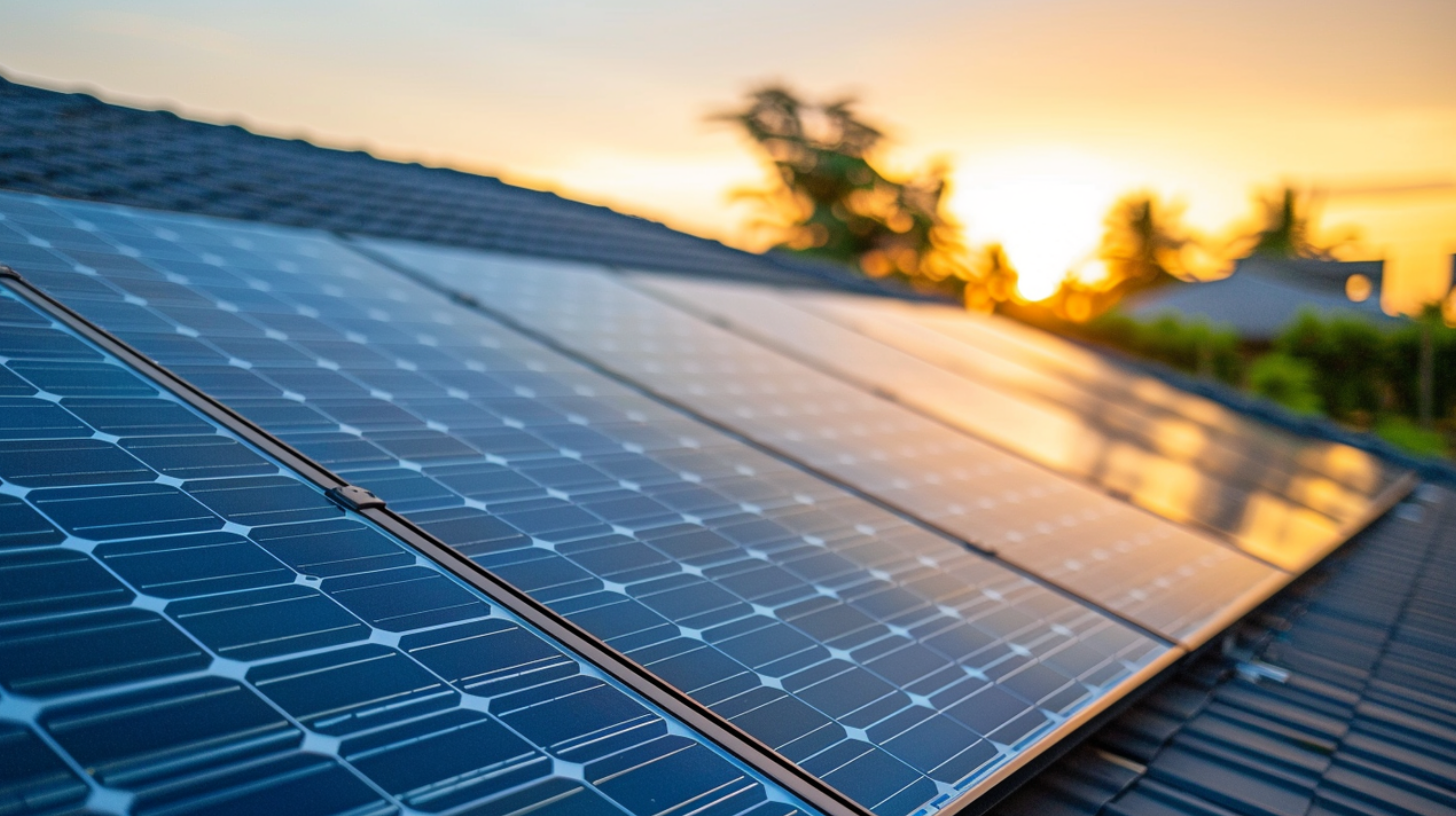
{"x": 1344, "y": 367}
{"x": 1403, "y": 351}
{"x": 1347, "y": 356}
{"x": 1287, "y": 380}
{"x": 1195, "y": 346}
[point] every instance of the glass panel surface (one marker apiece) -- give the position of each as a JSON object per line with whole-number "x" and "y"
{"x": 892, "y": 662}
{"x": 187, "y": 627}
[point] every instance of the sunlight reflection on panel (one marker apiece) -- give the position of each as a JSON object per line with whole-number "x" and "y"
{"x": 1328, "y": 477}
{"x": 1080, "y": 377}
{"x": 1088, "y": 372}
{"x": 1333, "y": 479}
{"x": 1180, "y": 469}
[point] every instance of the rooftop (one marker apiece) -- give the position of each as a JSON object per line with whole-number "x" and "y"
{"x": 1264, "y": 295}
{"x": 652, "y": 525}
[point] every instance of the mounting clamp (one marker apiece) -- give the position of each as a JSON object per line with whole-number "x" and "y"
{"x": 354, "y": 498}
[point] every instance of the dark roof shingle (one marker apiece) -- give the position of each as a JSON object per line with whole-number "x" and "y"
{"x": 76, "y": 146}
{"x": 1340, "y": 699}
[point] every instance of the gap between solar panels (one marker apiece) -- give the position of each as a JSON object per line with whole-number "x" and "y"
{"x": 349, "y": 362}
{"x": 796, "y": 784}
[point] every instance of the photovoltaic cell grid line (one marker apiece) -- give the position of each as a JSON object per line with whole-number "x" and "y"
{"x": 1151, "y": 571}
{"x": 896, "y": 665}
{"x": 186, "y": 627}
{"x": 1284, "y": 498}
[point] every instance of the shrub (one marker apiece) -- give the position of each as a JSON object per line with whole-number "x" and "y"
{"x": 1347, "y": 356}
{"x": 1286, "y": 380}
{"x": 1402, "y": 368}
{"x": 1194, "y": 346}
{"x": 1412, "y": 438}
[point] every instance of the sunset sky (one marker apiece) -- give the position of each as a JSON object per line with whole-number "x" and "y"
{"x": 1047, "y": 109}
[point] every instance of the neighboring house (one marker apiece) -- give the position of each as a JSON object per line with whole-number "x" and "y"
{"x": 1264, "y": 295}
{"x": 330, "y": 485}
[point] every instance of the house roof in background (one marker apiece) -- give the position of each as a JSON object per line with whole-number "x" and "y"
{"x": 1264, "y": 295}
{"x": 73, "y": 145}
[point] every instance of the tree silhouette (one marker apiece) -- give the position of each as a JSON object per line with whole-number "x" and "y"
{"x": 827, "y": 198}
{"x": 1144, "y": 244}
{"x": 1285, "y": 227}
{"x": 991, "y": 281}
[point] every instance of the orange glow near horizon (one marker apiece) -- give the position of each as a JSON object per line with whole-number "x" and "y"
{"x": 1044, "y": 207}
{"x": 1047, "y": 112}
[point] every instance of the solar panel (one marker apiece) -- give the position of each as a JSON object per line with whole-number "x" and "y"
{"x": 1158, "y": 574}
{"x": 899, "y": 667}
{"x": 187, "y": 626}
{"x": 1285, "y": 499}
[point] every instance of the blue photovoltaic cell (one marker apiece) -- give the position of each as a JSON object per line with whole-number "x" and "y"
{"x": 1163, "y": 576}
{"x": 895, "y": 664}
{"x": 186, "y": 627}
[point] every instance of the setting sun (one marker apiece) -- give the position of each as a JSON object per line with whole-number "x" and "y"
{"x": 1044, "y": 206}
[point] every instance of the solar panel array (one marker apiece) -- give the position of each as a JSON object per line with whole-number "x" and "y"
{"x": 892, "y": 662}
{"x": 1164, "y": 577}
{"x": 804, "y": 518}
{"x": 186, "y": 627}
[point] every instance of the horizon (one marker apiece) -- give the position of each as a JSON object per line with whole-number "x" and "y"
{"x": 1046, "y": 112}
